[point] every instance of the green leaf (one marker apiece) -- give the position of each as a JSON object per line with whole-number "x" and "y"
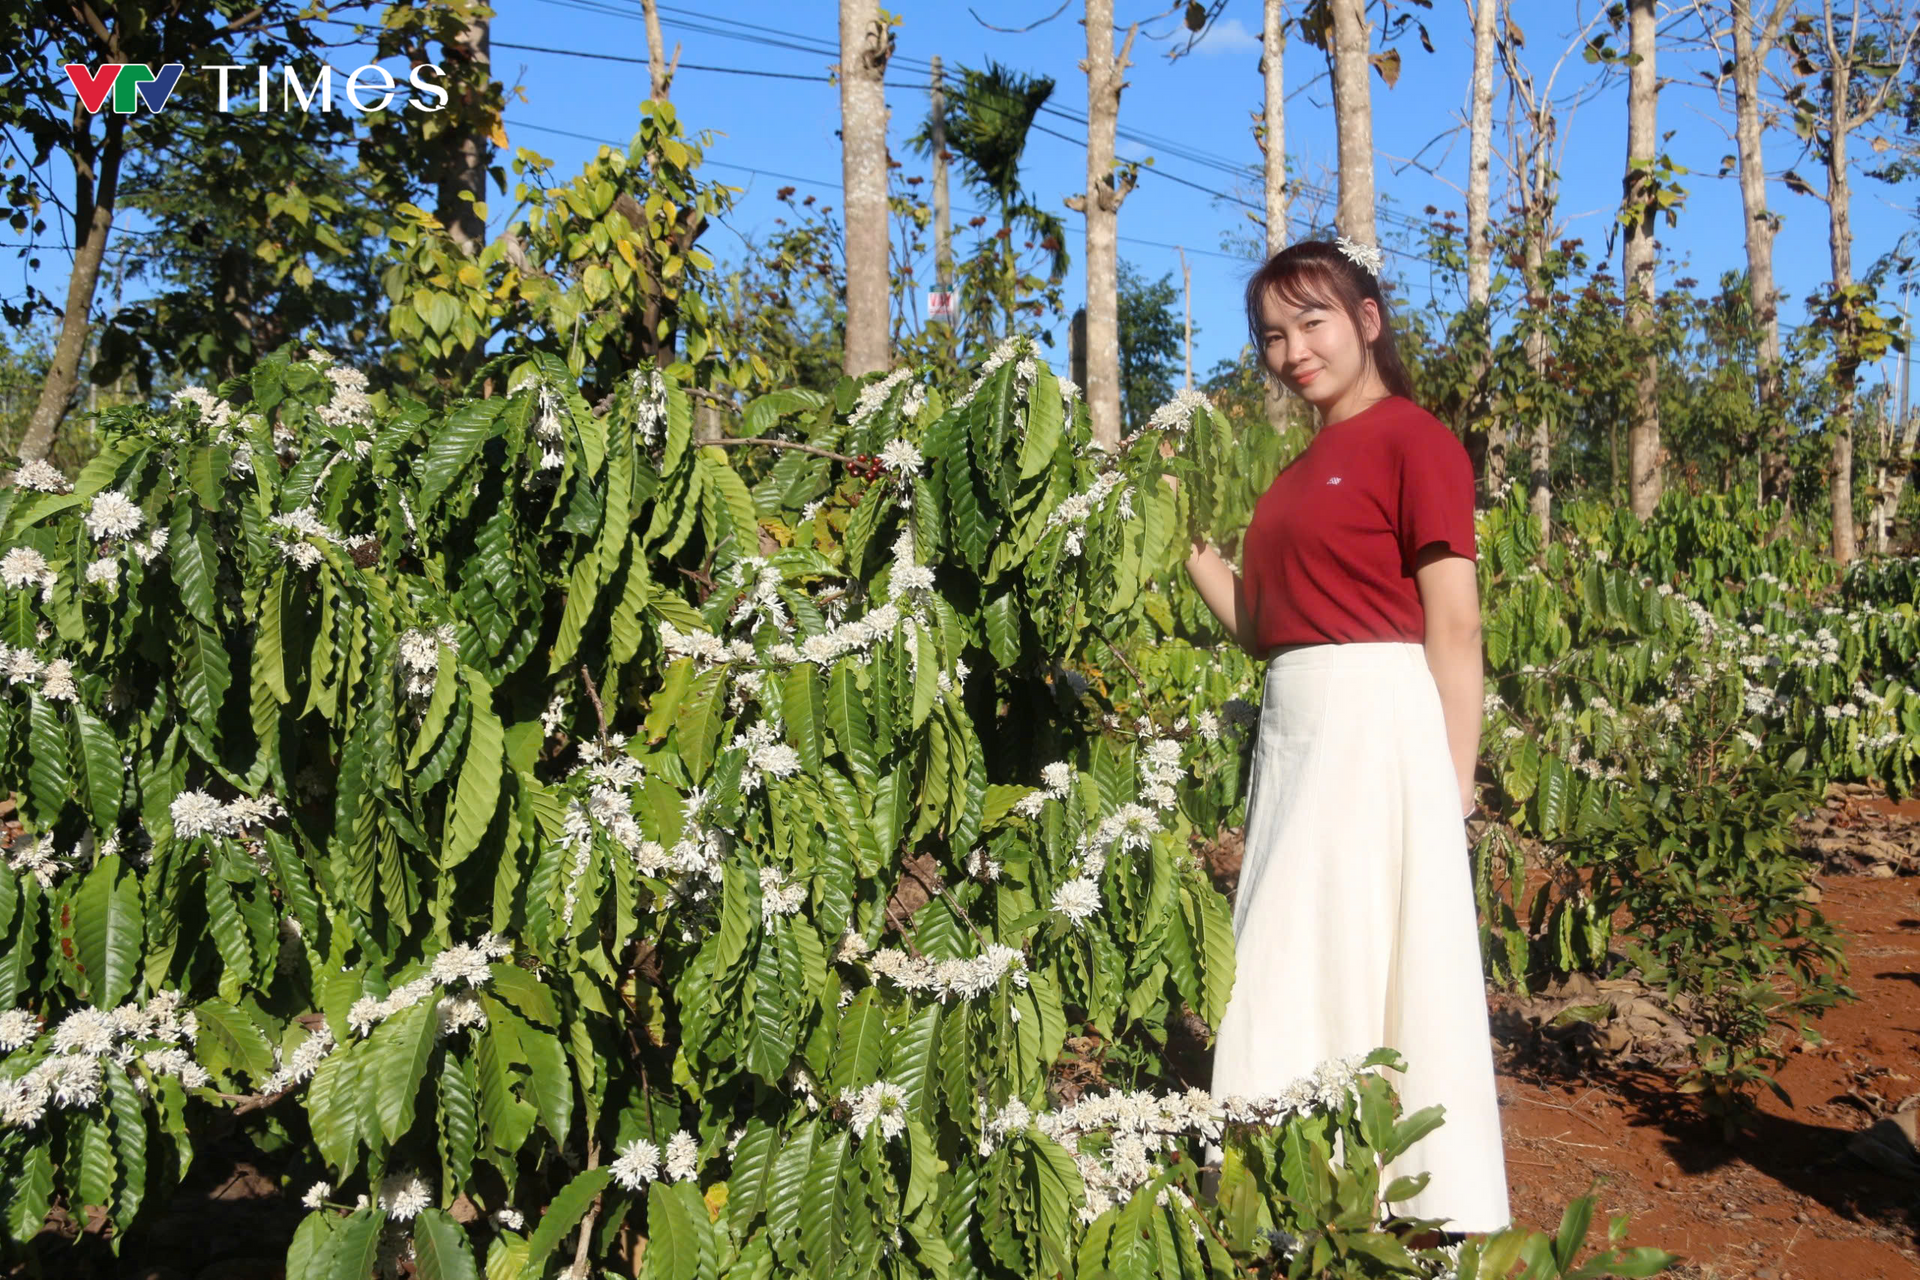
{"x": 562, "y": 1216}
{"x": 98, "y": 771}
{"x": 49, "y": 775}
{"x": 310, "y": 1256}
{"x": 700, "y": 720}
{"x": 194, "y": 566}
{"x": 454, "y": 445}
{"x": 524, "y": 992}
{"x": 676, "y": 1231}
{"x": 400, "y": 1048}
{"x": 805, "y": 703}
{"x": 549, "y": 1083}
{"x": 477, "y": 794}
{"x": 440, "y": 1248}
{"x": 130, "y": 1144}
{"x": 31, "y": 1192}
{"x": 847, "y": 716}
{"x": 446, "y": 685}
{"x": 1574, "y": 1223}
{"x": 862, "y": 1042}
{"x": 333, "y": 1108}
{"x": 234, "y": 1034}
{"x": 356, "y": 1250}
{"x": 108, "y": 928}
{"x": 459, "y": 1119}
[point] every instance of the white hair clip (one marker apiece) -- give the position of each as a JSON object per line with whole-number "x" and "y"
{"x": 1365, "y": 256}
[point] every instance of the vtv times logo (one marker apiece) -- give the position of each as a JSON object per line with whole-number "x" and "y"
{"x": 133, "y": 85}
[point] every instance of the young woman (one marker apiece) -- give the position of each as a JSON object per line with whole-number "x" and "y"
{"x": 1354, "y": 917}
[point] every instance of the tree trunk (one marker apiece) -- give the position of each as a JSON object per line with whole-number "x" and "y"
{"x": 1902, "y": 439}
{"x": 942, "y": 203}
{"x": 1353, "y": 119}
{"x": 463, "y": 180}
{"x": 94, "y": 194}
{"x": 1186, "y": 284}
{"x": 1273, "y": 57}
{"x": 659, "y": 70}
{"x": 1749, "y": 55}
{"x": 1479, "y": 244}
{"x": 1101, "y": 205}
{"x": 1846, "y": 363}
{"x": 1637, "y": 266}
{"x": 1540, "y": 459}
{"x": 865, "y": 45}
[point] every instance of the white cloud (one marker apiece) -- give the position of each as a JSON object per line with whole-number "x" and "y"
{"x": 1229, "y": 35}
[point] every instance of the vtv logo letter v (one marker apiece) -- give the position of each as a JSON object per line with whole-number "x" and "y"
{"x": 91, "y": 85}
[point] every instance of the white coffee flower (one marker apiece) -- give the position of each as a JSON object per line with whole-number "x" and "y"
{"x": 1077, "y": 899}
{"x": 881, "y": 1103}
{"x": 683, "y": 1156}
{"x": 40, "y": 476}
{"x": 195, "y": 813}
{"x": 404, "y": 1195}
{"x": 25, "y": 567}
{"x": 56, "y": 682}
{"x": 18, "y": 1027}
{"x": 111, "y": 514}
{"x": 639, "y": 1164}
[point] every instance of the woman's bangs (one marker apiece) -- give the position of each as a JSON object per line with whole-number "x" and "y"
{"x": 1308, "y": 284}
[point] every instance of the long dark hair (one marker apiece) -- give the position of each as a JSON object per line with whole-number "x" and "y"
{"x": 1315, "y": 273}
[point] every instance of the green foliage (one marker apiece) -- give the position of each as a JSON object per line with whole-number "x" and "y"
{"x": 1151, "y": 340}
{"x": 522, "y": 803}
{"x": 1669, "y": 697}
{"x": 602, "y": 272}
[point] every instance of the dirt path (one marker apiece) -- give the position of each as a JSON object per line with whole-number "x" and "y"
{"x": 1786, "y": 1201}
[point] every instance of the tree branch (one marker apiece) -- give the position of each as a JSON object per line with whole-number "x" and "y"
{"x": 731, "y": 442}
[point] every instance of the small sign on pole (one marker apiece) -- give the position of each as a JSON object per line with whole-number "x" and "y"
{"x": 940, "y": 305}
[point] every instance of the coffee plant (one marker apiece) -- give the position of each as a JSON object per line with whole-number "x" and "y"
{"x": 1667, "y": 697}
{"x": 572, "y": 843}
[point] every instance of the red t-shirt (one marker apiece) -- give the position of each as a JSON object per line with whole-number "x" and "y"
{"x": 1330, "y": 550}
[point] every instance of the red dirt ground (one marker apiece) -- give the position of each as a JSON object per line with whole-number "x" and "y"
{"x": 1785, "y": 1200}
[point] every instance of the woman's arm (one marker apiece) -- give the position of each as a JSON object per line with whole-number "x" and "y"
{"x": 1450, "y": 596}
{"x": 1223, "y": 591}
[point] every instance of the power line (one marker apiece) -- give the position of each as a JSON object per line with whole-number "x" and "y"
{"x": 831, "y": 186}
{"x": 1173, "y": 149}
{"x": 684, "y": 66}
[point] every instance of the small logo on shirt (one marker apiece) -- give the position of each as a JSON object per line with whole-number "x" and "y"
{"x": 1334, "y": 480}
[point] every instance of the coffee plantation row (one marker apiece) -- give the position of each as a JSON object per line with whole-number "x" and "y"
{"x": 573, "y": 845}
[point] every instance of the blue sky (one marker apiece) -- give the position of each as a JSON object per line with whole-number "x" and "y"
{"x": 772, "y": 132}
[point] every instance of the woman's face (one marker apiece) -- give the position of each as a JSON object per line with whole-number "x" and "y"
{"x": 1318, "y": 354}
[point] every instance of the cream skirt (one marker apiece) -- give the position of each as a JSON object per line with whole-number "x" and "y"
{"x": 1354, "y": 920}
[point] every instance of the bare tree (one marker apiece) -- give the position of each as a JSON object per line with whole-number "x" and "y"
{"x": 463, "y": 179}
{"x": 1107, "y": 187}
{"x": 1638, "y": 210}
{"x": 866, "y": 43}
{"x": 942, "y": 202}
{"x": 1858, "y": 60}
{"x": 1537, "y": 139}
{"x": 1273, "y": 143}
{"x": 1353, "y": 117}
{"x": 1750, "y": 50}
{"x": 1479, "y": 244}
{"x": 659, "y": 70}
